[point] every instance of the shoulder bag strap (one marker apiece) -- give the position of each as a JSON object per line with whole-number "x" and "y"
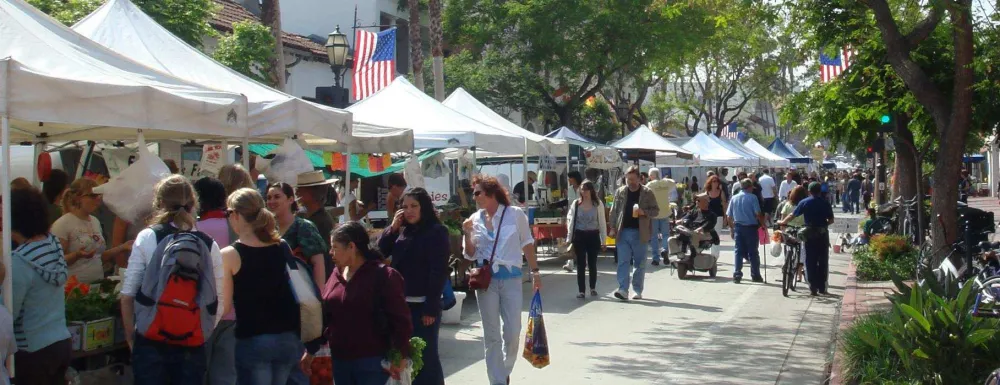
{"x": 576, "y": 214}
{"x": 496, "y": 239}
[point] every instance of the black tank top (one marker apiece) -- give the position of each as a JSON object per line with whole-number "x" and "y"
{"x": 261, "y": 293}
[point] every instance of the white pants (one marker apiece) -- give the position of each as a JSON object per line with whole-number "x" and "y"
{"x": 502, "y": 301}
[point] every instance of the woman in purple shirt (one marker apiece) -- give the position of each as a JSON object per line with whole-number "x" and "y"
{"x": 221, "y": 347}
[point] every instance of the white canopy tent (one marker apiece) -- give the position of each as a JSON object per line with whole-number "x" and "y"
{"x": 461, "y": 101}
{"x": 121, "y": 26}
{"x": 401, "y": 105}
{"x": 56, "y": 85}
{"x": 737, "y": 147}
{"x": 771, "y": 159}
{"x": 644, "y": 139}
{"x": 712, "y": 154}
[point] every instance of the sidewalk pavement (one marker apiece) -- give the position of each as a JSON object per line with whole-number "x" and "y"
{"x": 684, "y": 332}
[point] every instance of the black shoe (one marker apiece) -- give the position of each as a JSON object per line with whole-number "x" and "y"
{"x": 758, "y": 279}
{"x": 737, "y": 280}
{"x": 824, "y": 292}
{"x": 812, "y": 293}
{"x": 656, "y": 263}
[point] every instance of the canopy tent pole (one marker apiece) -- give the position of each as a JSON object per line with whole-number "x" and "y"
{"x": 527, "y": 186}
{"x": 225, "y": 152}
{"x": 475, "y": 168}
{"x": 347, "y": 185}
{"x": 246, "y": 153}
{"x": 8, "y": 298}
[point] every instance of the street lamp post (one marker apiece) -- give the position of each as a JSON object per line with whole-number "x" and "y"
{"x": 338, "y": 52}
{"x": 623, "y": 108}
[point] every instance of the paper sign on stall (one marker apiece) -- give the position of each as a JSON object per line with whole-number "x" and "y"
{"x": 212, "y": 159}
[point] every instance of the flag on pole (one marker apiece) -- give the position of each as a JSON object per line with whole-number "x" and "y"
{"x": 731, "y": 131}
{"x": 374, "y": 61}
{"x": 831, "y": 67}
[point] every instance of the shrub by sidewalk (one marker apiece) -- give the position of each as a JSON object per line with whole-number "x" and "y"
{"x": 884, "y": 256}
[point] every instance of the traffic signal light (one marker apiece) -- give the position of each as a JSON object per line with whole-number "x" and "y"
{"x": 885, "y": 119}
{"x": 870, "y": 152}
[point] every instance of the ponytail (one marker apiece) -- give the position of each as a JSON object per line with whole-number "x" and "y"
{"x": 175, "y": 202}
{"x": 248, "y": 204}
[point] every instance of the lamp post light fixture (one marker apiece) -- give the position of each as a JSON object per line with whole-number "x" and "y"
{"x": 337, "y": 50}
{"x": 623, "y": 107}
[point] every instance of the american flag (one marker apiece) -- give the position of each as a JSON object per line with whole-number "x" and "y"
{"x": 374, "y": 61}
{"x": 831, "y": 67}
{"x": 731, "y": 132}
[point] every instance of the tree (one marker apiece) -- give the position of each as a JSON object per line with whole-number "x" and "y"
{"x": 437, "y": 49}
{"x": 416, "y": 42}
{"x": 270, "y": 16}
{"x": 187, "y": 19}
{"x": 945, "y": 93}
{"x": 567, "y": 50}
{"x": 249, "y": 50}
{"x": 738, "y": 63}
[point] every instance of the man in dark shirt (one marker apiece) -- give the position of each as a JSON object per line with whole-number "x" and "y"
{"x": 519, "y": 188}
{"x": 700, "y": 220}
{"x": 854, "y": 194}
{"x": 818, "y": 214}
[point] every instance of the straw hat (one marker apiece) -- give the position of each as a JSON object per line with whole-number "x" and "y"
{"x": 313, "y": 178}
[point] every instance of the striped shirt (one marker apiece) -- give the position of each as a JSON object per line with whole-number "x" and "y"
{"x": 39, "y": 273}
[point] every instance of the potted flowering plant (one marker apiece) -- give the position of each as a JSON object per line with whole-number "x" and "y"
{"x": 89, "y": 313}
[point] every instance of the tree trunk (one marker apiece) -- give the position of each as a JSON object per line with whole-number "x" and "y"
{"x": 271, "y": 17}
{"x": 906, "y": 166}
{"x": 416, "y": 44}
{"x": 437, "y": 49}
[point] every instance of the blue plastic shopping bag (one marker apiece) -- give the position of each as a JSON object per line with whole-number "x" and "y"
{"x": 536, "y": 344}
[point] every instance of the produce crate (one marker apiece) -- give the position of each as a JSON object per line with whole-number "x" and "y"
{"x": 98, "y": 334}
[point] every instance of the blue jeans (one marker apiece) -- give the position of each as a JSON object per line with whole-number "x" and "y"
{"x": 432, "y": 373}
{"x": 221, "y": 353}
{"x": 156, "y": 363}
{"x": 364, "y": 371}
{"x": 661, "y": 227}
{"x": 631, "y": 249}
{"x": 747, "y": 244}
{"x": 267, "y": 359}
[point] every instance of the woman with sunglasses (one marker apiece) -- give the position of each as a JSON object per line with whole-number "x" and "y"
{"x": 500, "y": 232}
{"x": 80, "y": 233}
{"x": 588, "y": 229}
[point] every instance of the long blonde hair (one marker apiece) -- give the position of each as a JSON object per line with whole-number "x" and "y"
{"x": 175, "y": 201}
{"x": 235, "y": 177}
{"x": 76, "y": 191}
{"x": 247, "y": 203}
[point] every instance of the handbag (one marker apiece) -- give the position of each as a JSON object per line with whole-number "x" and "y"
{"x": 480, "y": 277}
{"x": 306, "y": 295}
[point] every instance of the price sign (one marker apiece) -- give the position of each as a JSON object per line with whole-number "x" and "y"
{"x": 844, "y": 225}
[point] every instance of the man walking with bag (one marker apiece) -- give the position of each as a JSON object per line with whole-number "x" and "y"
{"x": 631, "y": 211}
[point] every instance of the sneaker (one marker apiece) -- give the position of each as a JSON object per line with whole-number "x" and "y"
{"x": 637, "y": 296}
{"x": 758, "y": 279}
{"x": 568, "y": 266}
{"x": 622, "y": 295}
{"x": 656, "y": 263}
{"x": 593, "y": 293}
{"x": 581, "y": 296}
{"x": 737, "y": 279}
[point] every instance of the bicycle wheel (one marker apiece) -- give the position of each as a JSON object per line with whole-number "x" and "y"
{"x": 797, "y": 252}
{"x": 787, "y": 272}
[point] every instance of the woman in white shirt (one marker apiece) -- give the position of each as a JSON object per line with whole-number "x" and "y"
{"x": 174, "y": 206}
{"x": 500, "y": 232}
{"x": 79, "y": 231}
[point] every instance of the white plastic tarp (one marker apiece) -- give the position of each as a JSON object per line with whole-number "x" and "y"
{"x": 645, "y": 139}
{"x": 121, "y": 26}
{"x": 461, "y": 101}
{"x": 401, "y": 105}
{"x": 713, "y": 154}
{"x": 771, "y": 159}
{"x": 59, "y": 85}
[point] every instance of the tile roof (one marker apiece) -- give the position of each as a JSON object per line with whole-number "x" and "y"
{"x": 230, "y": 12}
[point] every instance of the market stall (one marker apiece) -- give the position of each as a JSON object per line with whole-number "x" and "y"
{"x": 643, "y": 143}
{"x": 56, "y": 85}
{"x": 773, "y": 160}
{"x": 712, "y": 154}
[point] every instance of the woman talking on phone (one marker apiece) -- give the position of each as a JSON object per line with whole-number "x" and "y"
{"x": 419, "y": 247}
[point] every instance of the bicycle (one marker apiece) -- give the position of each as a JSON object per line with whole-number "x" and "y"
{"x": 793, "y": 257}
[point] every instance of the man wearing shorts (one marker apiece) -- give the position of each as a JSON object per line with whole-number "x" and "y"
{"x": 769, "y": 191}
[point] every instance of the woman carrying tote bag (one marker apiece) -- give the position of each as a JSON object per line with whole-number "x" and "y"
{"x": 496, "y": 236}
{"x": 588, "y": 230}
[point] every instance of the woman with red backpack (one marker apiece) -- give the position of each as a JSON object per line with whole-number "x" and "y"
{"x": 172, "y": 263}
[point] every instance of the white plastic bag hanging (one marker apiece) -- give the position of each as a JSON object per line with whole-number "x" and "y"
{"x": 411, "y": 172}
{"x": 288, "y": 161}
{"x": 130, "y": 194}
{"x": 434, "y": 167}
{"x": 405, "y": 376}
